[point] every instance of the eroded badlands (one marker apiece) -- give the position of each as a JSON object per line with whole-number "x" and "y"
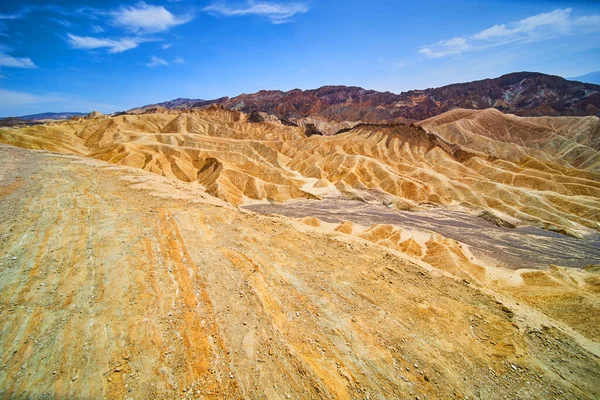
{"x": 131, "y": 264}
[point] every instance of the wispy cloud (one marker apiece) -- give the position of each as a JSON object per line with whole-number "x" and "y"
{"x": 63, "y": 22}
{"x": 13, "y": 98}
{"x": 7, "y": 17}
{"x": 3, "y": 29}
{"x": 146, "y": 18}
{"x": 13, "y": 102}
{"x": 113, "y": 46}
{"x": 17, "y": 15}
{"x": 157, "y": 61}
{"x": 178, "y": 60}
{"x": 554, "y": 24}
{"x": 137, "y": 22}
{"x": 9, "y": 61}
{"x": 165, "y": 46}
{"x": 446, "y": 47}
{"x": 80, "y": 12}
{"x": 277, "y": 13}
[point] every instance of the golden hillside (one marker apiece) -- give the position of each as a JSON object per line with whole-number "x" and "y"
{"x": 131, "y": 265}
{"x": 540, "y": 171}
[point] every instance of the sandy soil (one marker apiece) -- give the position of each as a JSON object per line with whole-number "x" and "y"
{"x": 117, "y": 283}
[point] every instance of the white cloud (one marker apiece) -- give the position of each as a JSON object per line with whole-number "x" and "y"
{"x": 494, "y": 31}
{"x": 178, "y": 60}
{"x": 591, "y": 21}
{"x": 5, "y": 17}
{"x": 9, "y": 61}
{"x": 559, "y": 20}
{"x": 156, "y": 61}
{"x": 554, "y": 24}
{"x": 63, "y": 22}
{"x": 166, "y": 45}
{"x": 113, "y": 46}
{"x": 11, "y": 16}
{"x": 277, "y": 13}
{"x": 140, "y": 20}
{"x": 146, "y": 18}
{"x": 444, "y": 48}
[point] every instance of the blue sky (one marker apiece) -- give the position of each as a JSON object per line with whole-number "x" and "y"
{"x": 115, "y": 55}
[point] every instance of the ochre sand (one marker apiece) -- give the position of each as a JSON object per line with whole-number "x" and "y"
{"x": 128, "y": 270}
{"x": 119, "y": 283}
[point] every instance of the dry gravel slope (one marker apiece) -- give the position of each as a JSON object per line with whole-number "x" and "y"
{"x": 118, "y": 283}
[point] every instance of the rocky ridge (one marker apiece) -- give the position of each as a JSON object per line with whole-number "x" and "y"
{"x": 521, "y": 93}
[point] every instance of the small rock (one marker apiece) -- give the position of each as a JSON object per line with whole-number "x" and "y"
{"x": 75, "y": 378}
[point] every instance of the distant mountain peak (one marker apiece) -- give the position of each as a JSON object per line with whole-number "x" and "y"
{"x": 523, "y": 93}
{"x": 592, "y": 77}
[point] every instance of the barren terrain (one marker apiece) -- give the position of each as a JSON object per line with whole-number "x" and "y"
{"x": 133, "y": 266}
{"x": 522, "y": 247}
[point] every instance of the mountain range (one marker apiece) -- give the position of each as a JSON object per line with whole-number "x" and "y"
{"x": 592, "y": 77}
{"x": 35, "y": 118}
{"x": 521, "y": 93}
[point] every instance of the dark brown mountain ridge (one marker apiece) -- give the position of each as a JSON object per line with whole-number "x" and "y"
{"x": 520, "y": 93}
